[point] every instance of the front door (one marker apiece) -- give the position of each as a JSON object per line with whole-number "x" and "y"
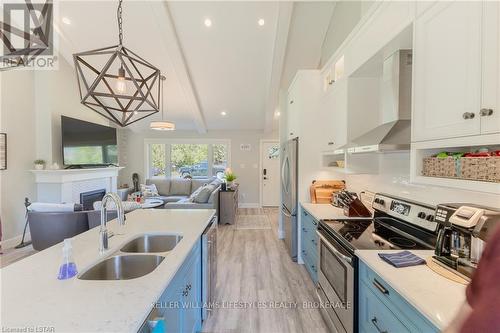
{"x": 270, "y": 173}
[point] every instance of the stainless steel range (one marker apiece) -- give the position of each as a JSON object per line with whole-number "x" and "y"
{"x": 397, "y": 224}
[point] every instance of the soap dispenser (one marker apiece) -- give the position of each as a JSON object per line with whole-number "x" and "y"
{"x": 68, "y": 266}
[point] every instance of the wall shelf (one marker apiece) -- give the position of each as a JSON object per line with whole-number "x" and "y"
{"x": 420, "y": 150}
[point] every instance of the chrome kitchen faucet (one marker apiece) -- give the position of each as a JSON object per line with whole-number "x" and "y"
{"x": 103, "y": 232}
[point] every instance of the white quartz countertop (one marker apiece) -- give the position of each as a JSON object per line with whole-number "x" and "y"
{"x": 32, "y": 296}
{"x": 324, "y": 211}
{"x": 436, "y": 297}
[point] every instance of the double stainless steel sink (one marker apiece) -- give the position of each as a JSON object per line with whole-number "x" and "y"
{"x": 126, "y": 266}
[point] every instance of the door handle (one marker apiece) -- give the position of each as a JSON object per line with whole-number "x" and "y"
{"x": 375, "y": 323}
{"x": 265, "y": 172}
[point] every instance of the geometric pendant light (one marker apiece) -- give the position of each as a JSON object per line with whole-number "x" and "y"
{"x": 162, "y": 125}
{"x": 117, "y": 83}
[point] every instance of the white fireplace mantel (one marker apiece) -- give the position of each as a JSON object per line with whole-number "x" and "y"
{"x": 65, "y": 185}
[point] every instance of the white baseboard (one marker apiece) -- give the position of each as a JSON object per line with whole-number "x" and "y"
{"x": 248, "y": 205}
{"x": 11, "y": 242}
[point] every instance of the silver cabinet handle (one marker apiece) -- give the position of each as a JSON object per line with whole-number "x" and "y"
{"x": 375, "y": 323}
{"x": 380, "y": 287}
{"x": 486, "y": 112}
{"x": 468, "y": 115}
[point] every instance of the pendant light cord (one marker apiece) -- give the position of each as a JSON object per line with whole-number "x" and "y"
{"x": 162, "y": 93}
{"x": 120, "y": 21}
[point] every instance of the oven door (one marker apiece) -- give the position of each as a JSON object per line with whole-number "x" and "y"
{"x": 336, "y": 282}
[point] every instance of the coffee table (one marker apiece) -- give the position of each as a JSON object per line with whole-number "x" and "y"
{"x": 152, "y": 203}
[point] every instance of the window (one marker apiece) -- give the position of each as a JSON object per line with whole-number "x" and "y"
{"x": 188, "y": 158}
{"x": 157, "y": 165}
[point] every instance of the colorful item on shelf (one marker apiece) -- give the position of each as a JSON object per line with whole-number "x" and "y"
{"x": 480, "y": 165}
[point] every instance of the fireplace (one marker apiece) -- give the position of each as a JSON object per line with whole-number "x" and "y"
{"x": 87, "y": 199}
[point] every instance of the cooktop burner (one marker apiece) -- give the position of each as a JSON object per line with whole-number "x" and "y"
{"x": 380, "y": 233}
{"x": 401, "y": 242}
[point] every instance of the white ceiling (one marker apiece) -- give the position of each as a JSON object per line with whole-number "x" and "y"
{"x": 225, "y": 67}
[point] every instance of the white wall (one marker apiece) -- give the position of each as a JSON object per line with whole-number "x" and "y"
{"x": 346, "y": 15}
{"x": 18, "y": 121}
{"x": 244, "y": 163}
{"x": 394, "y": 178}
{"x": 56, "y": 94}
{"x": 32, "y": 103}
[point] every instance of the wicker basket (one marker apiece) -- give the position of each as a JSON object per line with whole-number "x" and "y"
{"x": 473, "y": 168}
{"x": 481, "y": 168}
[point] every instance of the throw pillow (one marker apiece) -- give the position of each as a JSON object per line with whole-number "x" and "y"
{"x": 149, "y": 190}
{"x": 195, "y": 193}
{"x": 204, "y": 194}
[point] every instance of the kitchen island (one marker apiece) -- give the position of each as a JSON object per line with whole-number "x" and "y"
{"x": 33, "y": 297}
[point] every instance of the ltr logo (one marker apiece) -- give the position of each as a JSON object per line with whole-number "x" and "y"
{"x": 27, "y": 35}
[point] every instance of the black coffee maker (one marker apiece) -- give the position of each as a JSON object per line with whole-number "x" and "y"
{"x": 463, "y": 232}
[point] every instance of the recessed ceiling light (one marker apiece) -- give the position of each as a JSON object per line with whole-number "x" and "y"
{"x": 277, "y": 113}
{"x": 66, "y": 20}
{"x": 208, "y": 22}
{"x": 261, "y": 22}
{"x": 223, "y": 113}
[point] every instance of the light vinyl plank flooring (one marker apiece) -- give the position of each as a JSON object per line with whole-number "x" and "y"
{"x": 253, "y": 265}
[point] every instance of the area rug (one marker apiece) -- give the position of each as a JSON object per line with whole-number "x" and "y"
{"x": 246, "y": 222}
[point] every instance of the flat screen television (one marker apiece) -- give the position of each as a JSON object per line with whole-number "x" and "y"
{"x": 88, "y": 144}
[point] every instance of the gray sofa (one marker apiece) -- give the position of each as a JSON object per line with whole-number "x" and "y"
{"x": 50, "y": 228}
{"x": 178, "y": 193}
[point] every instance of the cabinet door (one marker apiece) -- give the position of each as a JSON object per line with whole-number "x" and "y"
{"x": 191, "y": 298}
{"x": 374, "y": 316}
{"x": 490, "y": 104}
{"x": 332, "y": 116}
{"x": 172, "y": 309}
{"x": 292, "y": 116}
{"x": 447, "y": 71}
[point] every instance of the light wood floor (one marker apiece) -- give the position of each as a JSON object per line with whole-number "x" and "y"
{"x": 254, "y": 266}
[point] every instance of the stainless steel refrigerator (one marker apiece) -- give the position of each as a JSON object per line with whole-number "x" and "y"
{"x": 289, "y": 204}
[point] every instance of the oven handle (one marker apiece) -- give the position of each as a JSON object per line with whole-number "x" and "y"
{"x": 334, "y": 250}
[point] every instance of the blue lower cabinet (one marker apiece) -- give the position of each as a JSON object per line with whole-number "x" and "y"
{"x": 309, "y": 243}
{"x": 382, "y": 309}
{"x": 181, "y": 301}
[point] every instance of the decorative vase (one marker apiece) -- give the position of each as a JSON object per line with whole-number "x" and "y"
{"x": 229, "y": 184}
{"x": 39, "y": 166}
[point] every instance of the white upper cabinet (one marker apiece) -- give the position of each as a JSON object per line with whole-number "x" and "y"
{"x": 332, "y": 116}
{"x": 447, "y": 71}
{"x": 292, "y": 114}
{"x": 457, "y": 71}
{"x": 301, "y": 102}
{"x": 490, "y": 104}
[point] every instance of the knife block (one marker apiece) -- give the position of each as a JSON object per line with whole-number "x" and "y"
{"x": 357, "y": 209}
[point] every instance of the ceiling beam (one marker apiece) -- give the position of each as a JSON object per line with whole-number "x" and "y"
{"x": 285, "y": 11}
{"x": 176, "y": 55}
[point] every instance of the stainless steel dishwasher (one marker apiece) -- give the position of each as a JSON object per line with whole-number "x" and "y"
{"x": 209, "y": 267}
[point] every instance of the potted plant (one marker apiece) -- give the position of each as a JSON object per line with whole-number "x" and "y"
{"x": 230, "y": 177}
{"x": 39, "y": 164}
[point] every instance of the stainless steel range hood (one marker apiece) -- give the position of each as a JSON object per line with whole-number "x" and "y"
{"x": 393, "y": 132}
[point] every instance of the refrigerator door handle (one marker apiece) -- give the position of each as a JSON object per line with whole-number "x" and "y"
{"x": 285, "y": 212}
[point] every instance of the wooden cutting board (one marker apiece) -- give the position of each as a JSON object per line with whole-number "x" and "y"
{"x": 321, "y": 190}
